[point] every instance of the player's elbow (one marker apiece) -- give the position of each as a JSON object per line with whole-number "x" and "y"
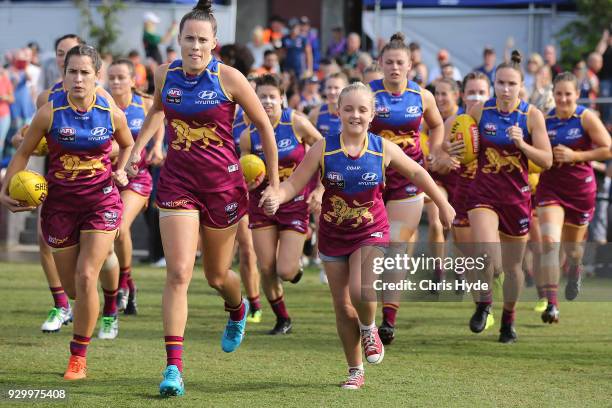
{"x": 548, "y": 162}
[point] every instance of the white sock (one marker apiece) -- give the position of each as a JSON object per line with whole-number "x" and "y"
{"x": 359, "y": 367}
{"x": 366, "y": 327}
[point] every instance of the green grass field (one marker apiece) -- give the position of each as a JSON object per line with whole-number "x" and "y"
{"x": 434, "y": 362}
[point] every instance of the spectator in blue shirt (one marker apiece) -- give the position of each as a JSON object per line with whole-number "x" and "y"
{"x": 313, "y": 40}
{"x": 488, "y": 67}
{"x": 338, "y": 43}
{"x": 297, "y": 52}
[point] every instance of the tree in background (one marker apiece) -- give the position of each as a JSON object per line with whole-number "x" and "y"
{"x": 103, "y": 36}
{"x": 578, "y": 38}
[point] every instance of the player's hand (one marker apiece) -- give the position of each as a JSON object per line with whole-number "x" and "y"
{"x": 256, "y": 182}
{"x": 155, "y": 156}
{"x": 18, "y": 137}
{"x": 442, "y": 163}
{"x": 447, "y": 215}
{"x": 270, "y": 200}
{"x": 314, "y": 200}
{"x": 13, "y": 205}
{"x": 455, "y": 149}
{"x": 515, "y": 133}
{"x": 132, "y": 165}
{"x": 120, "y": 177}
{"x": 563, "y": 154}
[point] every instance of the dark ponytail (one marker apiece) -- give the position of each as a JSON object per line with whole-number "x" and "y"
{"x": 396, "y": 42}
{"x": 202, "y": 12}
{"x": 203, "y": 5}
{"x": 515, "y": 63}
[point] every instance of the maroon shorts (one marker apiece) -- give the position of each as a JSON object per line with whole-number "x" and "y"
{"x": 219, "y": 209}
{"x": 141, "y": 184}
{"x": 61, "y": 225}
{"x": 291, "y": 216}
{"x": 514, "y": 219}
{"x": 405, "y": 192}
{"x": 460, "y": 202}
{"x": 579, "y": 209}
{"x": 448, "y": 182}
{"x": 461, "y": 209}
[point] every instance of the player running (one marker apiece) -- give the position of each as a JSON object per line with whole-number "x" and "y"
{"x": 279, "y": 239}
{"x": 446, "y": 95}
{"x": 401, "y": 105}
{"x": 566, "y": 192}
{"x": 60, "y": 314}
{"x": 135, "y": 196}
{"x": 354, "y": 228}
{"x": 201, "y": 187}
{"x": 244, "y": 238}
{"x": 79, "y": 126}
{"x": 511, "y": 132}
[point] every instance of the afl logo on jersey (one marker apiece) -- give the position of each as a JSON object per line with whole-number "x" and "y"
{"x": 335, "y": 179}
{"x": 174, "y": 95}
{"x": 413, "y": 111}
{"x": 382, "y": 112}
{"x": 207, "y": 98}
{"x": 490, "y": 128}
{"x": 552, "y": 133}
{"x": 67, "y": 134}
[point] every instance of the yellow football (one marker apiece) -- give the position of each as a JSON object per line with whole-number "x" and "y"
{"x": 424, "y": 142}
{"x": 534, "y": 168}
{"x": 534, "y": 179}
{"x": 252, "y": 167}
{"x": 28, "y": 187}
{"x": 465, "y": 128}
{"x": 42, "y": 149}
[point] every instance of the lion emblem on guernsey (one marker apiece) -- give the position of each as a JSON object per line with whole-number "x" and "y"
{"x": 470, "y": 169}
{"x": 341, "y": 212}
{"x": 499, "y": 162}
{"x": 403, "y": 141}
{"x": 73, "y": 165}
{"x": 286, "y": 172}
{"x": 186, "y": 135}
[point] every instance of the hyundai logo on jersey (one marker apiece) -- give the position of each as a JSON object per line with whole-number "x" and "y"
{"x": 99, "y": 131}
{"x": 207, "y": 95}
{"x": 369, "y": 176}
